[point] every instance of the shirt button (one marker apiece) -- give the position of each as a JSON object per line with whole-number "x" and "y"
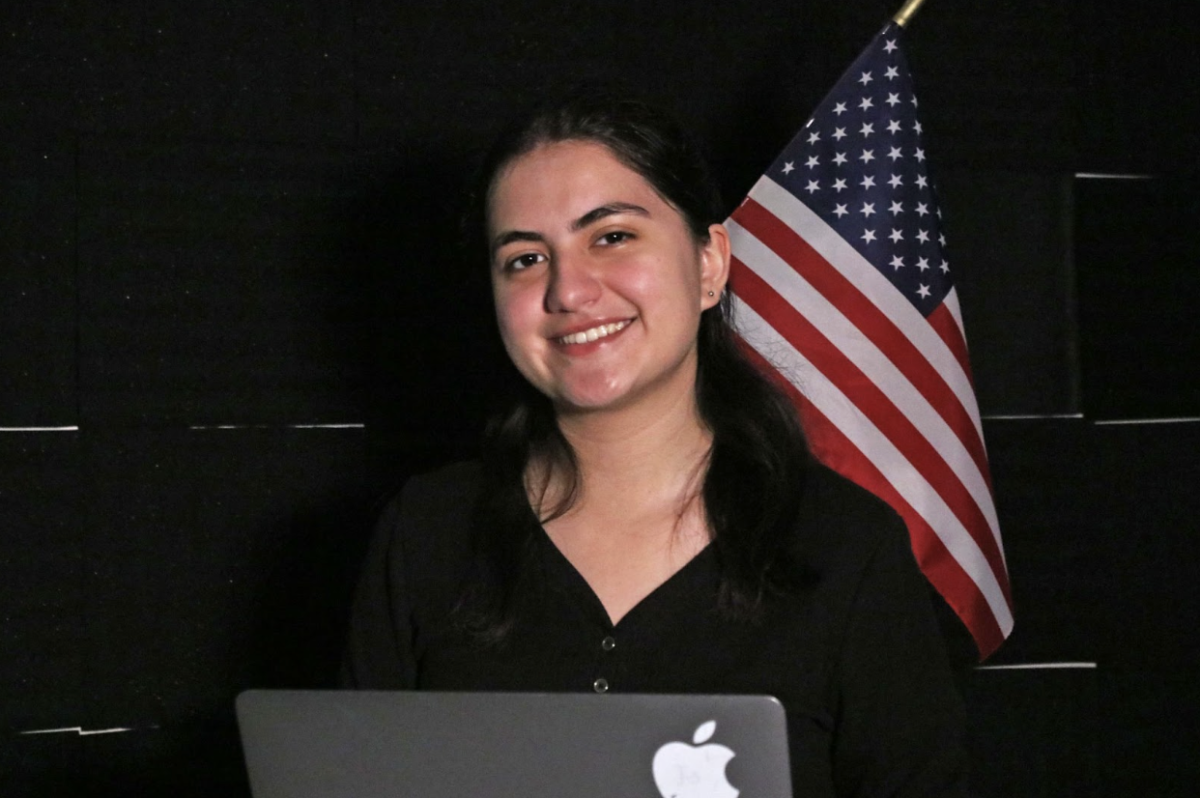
{"x": 608, "y": 643}
{"x": 600, "y": 685}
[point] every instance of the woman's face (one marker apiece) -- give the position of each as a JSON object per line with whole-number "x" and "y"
{"x": 598, "y": 282}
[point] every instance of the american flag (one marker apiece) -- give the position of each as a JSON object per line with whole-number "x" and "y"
{"x": 841, "y": 283}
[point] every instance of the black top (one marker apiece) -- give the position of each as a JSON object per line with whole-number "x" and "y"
{"x": 855, "y": 656}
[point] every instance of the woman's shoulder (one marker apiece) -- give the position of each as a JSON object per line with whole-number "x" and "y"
{"x": 443, "y": 499}
{"x": 448, "y": 484}
{"x": 840, "y": 523}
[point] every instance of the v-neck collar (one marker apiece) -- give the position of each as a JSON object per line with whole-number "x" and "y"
{"x": 663, "y": 599}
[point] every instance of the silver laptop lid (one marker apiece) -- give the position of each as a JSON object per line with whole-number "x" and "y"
{"x": 326, "y": 744}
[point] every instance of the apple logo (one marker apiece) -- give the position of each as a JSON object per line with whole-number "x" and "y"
{"x": 686, "y": 771}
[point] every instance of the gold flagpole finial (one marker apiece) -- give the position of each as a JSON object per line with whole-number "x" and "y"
{"x": 905, "y": 14}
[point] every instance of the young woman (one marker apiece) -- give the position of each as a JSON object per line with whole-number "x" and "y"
{"x": 645, "y": 517}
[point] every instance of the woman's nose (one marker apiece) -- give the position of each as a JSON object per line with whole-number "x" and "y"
{"x": 572, "y": 285}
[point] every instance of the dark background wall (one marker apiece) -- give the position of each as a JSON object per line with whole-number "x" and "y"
{"x": 231, "y": 320}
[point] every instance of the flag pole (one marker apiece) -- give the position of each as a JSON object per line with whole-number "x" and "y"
{"x": 906, "y": 13}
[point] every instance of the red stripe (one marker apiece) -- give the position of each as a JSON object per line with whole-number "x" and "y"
{"x": 943, "y": 323}
{"x": 875, "y": 405}
{"x": 835, "y": 450}
{"x": 872, "y": 321}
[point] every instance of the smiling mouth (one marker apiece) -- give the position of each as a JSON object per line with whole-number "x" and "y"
{"x": 595, "y": 333}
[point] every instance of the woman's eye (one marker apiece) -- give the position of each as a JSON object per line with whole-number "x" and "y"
{"x": 522, "y": 262}
{"x": 615, "y": 237}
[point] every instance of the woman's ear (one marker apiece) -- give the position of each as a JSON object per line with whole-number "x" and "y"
{"x": 714, "y": 266}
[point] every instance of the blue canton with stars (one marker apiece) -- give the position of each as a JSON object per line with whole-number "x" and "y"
{"x": 860, "y": 165}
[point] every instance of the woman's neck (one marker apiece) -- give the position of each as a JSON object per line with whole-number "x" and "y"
{"x": 638, "y": 456}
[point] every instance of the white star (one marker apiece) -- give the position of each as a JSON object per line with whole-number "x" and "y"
{"x": 923, "y": 291}
{"x": 866, "y": 103}
{"x": 939, "y": 213}
{"x": 941, "y": 238}
{"x": 867, "y": 129}
{"x": 840, "y": 211}
{"x": 917, "y": 127}
{"x": 868, "y": 209}
{"x": 867, "y": 182}
{"x": 892, "y": 73}
{"x": 839, "y": 133}
{"x": 894, "y": 153}
{"x": 895, "y": 182}
{"x": 890, "y": 46}
{"x": 897, "y": 262}
{"x": 812, "y": 186}
{"x": 945, "y": 267}
{"x": 839, "y": 184}
{"x": 896, "y": 236}
{"x": 812, "y": 161}
{"x": 867, "y": 156}
{"x": 865, "y": 79}
{"x": 923, "y": 236}
{"x": 894, "y": 126}
{"x": 814, "y": 137}
{"x": 920, "y": 156}
{"x": 914, "y": 101}
{"x": 840, "y": 159}
{"x": 893, "y": 99}
{"x": 922, "y": 182}
{"x": 788, "y": 167}
{"x": 922, "y": 209}
{"x": 923, "y": 264}
{"x": 839, "y": 109}
{"x": 868, "y": 236}
{"x": 896, "y": 208}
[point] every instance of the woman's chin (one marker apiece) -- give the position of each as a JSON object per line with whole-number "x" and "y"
{"x": 591, "y": 397}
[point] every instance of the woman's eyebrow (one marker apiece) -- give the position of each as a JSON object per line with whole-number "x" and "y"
{"x": 608, "y": 209}
{"x": 509, "y": 236}
{"x": 591, "y": 217}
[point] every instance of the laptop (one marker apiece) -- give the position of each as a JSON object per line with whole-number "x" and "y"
{"x": 327, "y": 744}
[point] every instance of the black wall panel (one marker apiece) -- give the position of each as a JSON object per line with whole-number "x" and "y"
{"x": 158, "y": 574}
{"x": 37, "y": 283}
{"x": 1138, "y": 284}
{"x": 1057, "y": 568}
{"x": 1035, "y": 732}
{"x": 1099, "y": 528}
{"x": 42, "y": 598}
{"x": 1136, "y": 70}
{"x": 217, "y": 284}
{"x": 1008, "y": 241}
{"x": 42, "y": 572}
{"x": 268, "y": 71}
{"x": 193, "y": 532}
{"x": 997, "y": 83}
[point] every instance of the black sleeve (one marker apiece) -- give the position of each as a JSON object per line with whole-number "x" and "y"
{"x": 379, "y": 652}
{"x": 900, "y": 720}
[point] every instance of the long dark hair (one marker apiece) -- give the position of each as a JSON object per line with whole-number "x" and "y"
{"x": 755, "y": 471}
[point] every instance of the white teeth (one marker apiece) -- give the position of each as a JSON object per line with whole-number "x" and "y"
{"x": 593, "y": 334}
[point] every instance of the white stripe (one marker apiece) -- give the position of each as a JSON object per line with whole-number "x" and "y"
{"x": 1110, "y": 176}
{"x": 202, "y": 427}
{"x": 1032, "y": 416}
{"x": 39, "y": 429}
{"x": 878, "y": 368}
{"x": 327, "y": 426}
{"x": 951, "y": 303}
{"x": 79, "y": 730}
{"x": 830, "y": 245}
{"x": 1040, "y": 666}
{"x": 906, "y": 479}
